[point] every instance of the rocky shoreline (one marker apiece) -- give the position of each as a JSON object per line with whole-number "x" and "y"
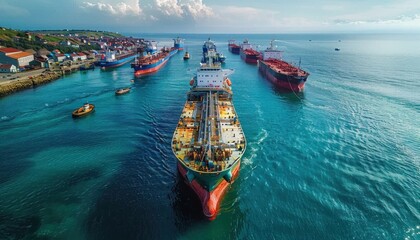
{"x": 11, "y": 86}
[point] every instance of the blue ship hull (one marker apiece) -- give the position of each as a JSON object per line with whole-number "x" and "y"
{"x": 179, "y": 46}
{"x": 117, "y": 63}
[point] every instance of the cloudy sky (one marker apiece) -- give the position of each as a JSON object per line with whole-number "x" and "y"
{"x": 214, "y": 16}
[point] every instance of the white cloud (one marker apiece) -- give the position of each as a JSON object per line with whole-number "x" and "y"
{"x": 156, "y": 10}
{"x": 236, "y": 19}
{"x": 169, "y": 7}
{"x": 197, "y": 9}
{"x": 382, "y": 11}
{"x": 181, "y": 9}
{"x": 209, "y": 16}
{"x": 399, "y": 22}
{"x": 129, "y": 7}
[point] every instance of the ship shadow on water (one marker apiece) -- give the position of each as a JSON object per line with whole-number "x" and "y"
{"x": 185, "y": 204}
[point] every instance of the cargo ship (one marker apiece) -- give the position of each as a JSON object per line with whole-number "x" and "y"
{"x": 113, "y": 59}
{"x": 208, "y": 141}
{"x": 209, "y": 45}
{"x": 233, "y": 47}
{"x": 179, "y": 43}
{"x": 281, "y": 73}
{"x": 150, "y": 61}
{"x": 248, "y": 54}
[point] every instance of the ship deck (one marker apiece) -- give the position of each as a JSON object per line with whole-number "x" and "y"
{"x": 284, "y": 67}
{"x": 209, "y": 137}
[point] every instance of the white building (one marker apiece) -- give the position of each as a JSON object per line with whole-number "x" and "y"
{"x": 7, "y": 68}
{"x": 15, "y": 57}
{"x": 82, "y": 56}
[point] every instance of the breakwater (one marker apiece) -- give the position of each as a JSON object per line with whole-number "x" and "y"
{"x": 15, "y": 85}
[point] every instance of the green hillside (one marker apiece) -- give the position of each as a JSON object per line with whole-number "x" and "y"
{"x": 50, "y": 39}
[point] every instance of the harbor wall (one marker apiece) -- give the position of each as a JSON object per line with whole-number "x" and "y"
{"x": 11, "y": 86}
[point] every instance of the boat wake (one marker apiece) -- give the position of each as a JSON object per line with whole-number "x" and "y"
{"x": 255, "y": 147}
{"x": 6, "y": 118}
{"x": 48, "y": 106}
{"x": 411, "y": 233}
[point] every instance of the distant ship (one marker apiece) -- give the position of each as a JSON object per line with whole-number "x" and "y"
{"x": 209, "y": 45}
{"x": 281, "y": 73}
{"x": 113, "y": 59}
{"x": 179, "y": 43}
{"x": 248, "y": 54}
{"x": 208, "y": 141}
{"x": 233, "y": 47}
{"x": 151, "y": 60}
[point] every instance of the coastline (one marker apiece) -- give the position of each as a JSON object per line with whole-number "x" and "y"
{"x": 11, "y": 86}
{"x": 34, "y": 78}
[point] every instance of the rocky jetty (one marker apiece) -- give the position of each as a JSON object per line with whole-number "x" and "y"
{"x": 15, "y": 85}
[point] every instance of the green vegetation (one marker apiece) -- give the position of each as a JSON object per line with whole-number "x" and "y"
{"x": 50, "y": 39}
{"x": 7, "y": 34}
{"x": 88, "y": 33}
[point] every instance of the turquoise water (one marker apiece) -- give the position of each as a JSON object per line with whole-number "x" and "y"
{"x": 338, "y": 161}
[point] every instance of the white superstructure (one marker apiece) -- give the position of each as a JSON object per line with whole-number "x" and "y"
{"x": 272, "y": 53}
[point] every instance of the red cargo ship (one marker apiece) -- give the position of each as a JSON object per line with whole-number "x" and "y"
{"x": 281, "y": 73}
{"x": 152, "y": 60}
{"x": 248, "y": 54}
{"x": 233, "y": 47}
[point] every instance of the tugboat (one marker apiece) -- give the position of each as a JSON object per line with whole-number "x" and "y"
{"x": 122, "y": 91}
{"x": 281, "y": 73}
{"x": 208, "y": 141}
{"x": 186, "y": 55}
{"x": 83, "y": 110}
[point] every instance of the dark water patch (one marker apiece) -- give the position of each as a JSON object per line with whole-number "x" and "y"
{"x": 81, "y": 176}
{"x": 12, "y": 227}
{"x": 14, "y": 162}
{"x": 128, "y": 206}
{"x": 186, "y": 206}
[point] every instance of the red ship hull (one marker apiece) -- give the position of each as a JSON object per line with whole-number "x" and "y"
{"x": 233, "y": 48}
{"x": 139, "y": 73}
{"x": 292, "y": 82}
{"x": 250, "y": 56}
{"x": 210, "y": 201}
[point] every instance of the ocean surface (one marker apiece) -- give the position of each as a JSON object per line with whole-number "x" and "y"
{"x": 338, "y": 161}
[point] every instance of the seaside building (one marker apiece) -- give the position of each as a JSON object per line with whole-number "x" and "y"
{"x": 59, "y": 57}
{"x": 15, "y": 57}
{"x": 7, "y": 68}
